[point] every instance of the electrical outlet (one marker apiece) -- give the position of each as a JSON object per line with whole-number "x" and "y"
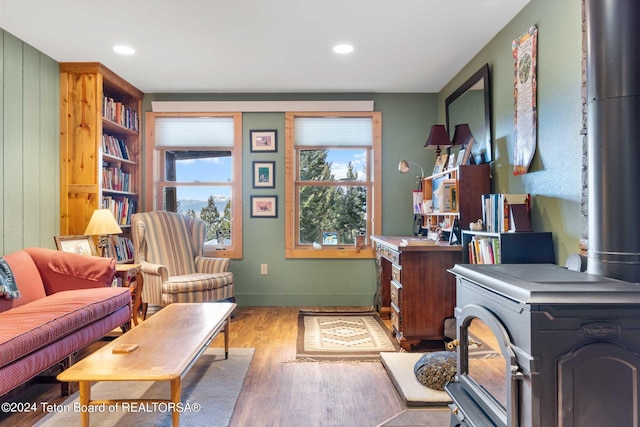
{"x": 263, "y": 269}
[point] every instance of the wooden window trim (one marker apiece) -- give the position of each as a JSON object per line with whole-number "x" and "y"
{"x": 292, "y": 249}
{"x": 154, "y": 170}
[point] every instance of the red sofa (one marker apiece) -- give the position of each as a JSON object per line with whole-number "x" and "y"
{"x": 66, "y": 303}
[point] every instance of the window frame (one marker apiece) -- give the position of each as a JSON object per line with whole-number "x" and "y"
{"x": 374, "y": 182}
{"x": 155, "y": 172}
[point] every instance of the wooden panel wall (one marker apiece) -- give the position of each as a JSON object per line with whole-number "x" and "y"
{"x": 29, "y": 146}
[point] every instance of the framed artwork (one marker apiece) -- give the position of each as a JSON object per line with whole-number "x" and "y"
{"x": 452, "y": 161}
{"x": 441, "y": 164}
{"x": 264, "y": 174}
{"x": 264, "y": 206}
{"x": 82, "y": 245}
{"x": 524, "y": 89}
{"x": 264, "y": 140}
{"x": 330, "y": 238}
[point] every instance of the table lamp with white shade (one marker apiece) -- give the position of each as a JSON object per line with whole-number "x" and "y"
{"x": 103, "y": 224}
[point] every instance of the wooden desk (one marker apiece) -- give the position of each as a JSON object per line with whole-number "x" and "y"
{"x": 169, "y": 343}
{"x": 414, "y": 287}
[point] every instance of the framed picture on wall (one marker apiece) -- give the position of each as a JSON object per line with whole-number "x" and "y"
{"x": 264, "y": 206}
{"x": 264, "y": 141}
{"x": 264, "y": 174}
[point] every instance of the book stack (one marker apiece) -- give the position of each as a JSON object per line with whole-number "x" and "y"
{"x": 503, "y": 212}
{"x": 117, "y": 112}
{"x": 484, "y": 250}
{"x": 121, "y": 207}
{"x": 121, "y": 248}
{"x": 115, "y": 147}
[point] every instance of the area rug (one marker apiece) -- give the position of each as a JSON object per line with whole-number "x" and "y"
{"x": 342, "y": 336}
{"x": 420, "y": 417}
{"x": 210, "y": 391}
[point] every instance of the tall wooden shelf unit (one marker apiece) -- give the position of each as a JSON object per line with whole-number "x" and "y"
{"x": 95, "y": 105}
{"x": 471, "y": 182}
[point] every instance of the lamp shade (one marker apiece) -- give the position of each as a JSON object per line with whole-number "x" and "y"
{"x": 462, "y": 135}
{"x": 403, "y": 167}
{"x": 438, "y": 138}
{"x": 102, "y": 223}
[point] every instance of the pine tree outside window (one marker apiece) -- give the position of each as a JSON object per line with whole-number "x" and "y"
{"x": 332, "y": 183}
{"x": 197, "y": 163}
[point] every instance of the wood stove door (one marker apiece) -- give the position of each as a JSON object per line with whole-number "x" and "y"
{"x": 497, "y": 393}
{"x": 598, "y": 385}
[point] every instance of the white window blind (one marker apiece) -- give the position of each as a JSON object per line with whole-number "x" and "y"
{"x": 194, "y": 132}
{"x": 333, "y": 131}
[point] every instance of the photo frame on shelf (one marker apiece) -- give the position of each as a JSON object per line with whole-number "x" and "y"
{"x": 441, "y": 164}
{"x": 452, "y": 161}
{"x": 264, "y": 141}
{"x": 264, "y": 206}
{"x": 264, "y": 174}
{"x": 329, "y": 238}
{"x": 82, "y": 245}
{"x": 461, "y": 155}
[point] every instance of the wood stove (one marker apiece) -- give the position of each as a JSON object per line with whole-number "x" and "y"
{"x": 570, "y": 344}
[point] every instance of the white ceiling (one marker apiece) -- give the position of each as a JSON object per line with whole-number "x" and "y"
{"x": 265, "y": 45}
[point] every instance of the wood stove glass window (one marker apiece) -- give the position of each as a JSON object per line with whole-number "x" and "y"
{"x": 487, "y": 366}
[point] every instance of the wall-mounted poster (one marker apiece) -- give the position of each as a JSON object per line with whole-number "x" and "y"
{"x": 524, "y": 54}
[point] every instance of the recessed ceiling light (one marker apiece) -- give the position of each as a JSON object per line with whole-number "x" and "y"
{"x": 343, "y": 48}
{"x": 124, "y": 50}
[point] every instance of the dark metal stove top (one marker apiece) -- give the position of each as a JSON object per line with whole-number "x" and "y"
{"x": 549, "y": 284}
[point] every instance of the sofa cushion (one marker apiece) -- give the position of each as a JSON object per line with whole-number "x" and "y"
{"x": 27, "y": 279}
{"x": 63, "y": 271}
{"x": 41, "y": 322}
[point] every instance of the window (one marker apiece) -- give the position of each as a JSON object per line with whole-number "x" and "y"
{"x": 332, "y": 164}
{"x": 197, "y": 170}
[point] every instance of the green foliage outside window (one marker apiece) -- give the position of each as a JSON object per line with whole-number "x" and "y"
{"x": 340, "y": 208}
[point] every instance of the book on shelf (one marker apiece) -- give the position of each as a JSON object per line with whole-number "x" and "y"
{"x": 445, "y": 195}
{"x": 496, "y": 211}
{"x": 484, "y": 250}
{"x": 417, "y": 202}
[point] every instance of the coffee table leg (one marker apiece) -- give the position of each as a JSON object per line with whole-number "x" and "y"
{"x": 226, "y": 337}
{"x": 85, "y": 397}
{"x": 175, "y": 398}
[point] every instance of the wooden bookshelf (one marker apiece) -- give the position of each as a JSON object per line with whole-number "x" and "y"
{"x": 470, "y": 183}
{"x": 97, "y": 107}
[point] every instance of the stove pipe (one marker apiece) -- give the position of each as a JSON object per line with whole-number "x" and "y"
{"x": 613, "y": 127}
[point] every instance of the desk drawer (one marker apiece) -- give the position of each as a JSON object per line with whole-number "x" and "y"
{"x": 396, "y": 273}
{"x": 388, "y": 253}
{"x": 396, "y": 293}
{"x": 396, "y": 319}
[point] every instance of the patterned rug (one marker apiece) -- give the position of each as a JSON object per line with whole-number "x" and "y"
{"x": 342, "y": 336}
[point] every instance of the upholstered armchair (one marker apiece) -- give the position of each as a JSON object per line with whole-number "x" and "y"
{"x": 168, "y": 246}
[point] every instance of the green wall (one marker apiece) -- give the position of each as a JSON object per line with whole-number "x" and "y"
{"x": 406, "y": 120}
{"x": 29, "y": 141}
{"x": 555, "y": 175}
{"x": 29, "y": 146}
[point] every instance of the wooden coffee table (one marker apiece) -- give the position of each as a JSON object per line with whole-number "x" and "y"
{"x": 168, "y": 345}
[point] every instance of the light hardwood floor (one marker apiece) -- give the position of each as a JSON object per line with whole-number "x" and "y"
{"x": 278, "y": 391}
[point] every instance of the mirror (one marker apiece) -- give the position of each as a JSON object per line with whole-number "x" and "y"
{"x": 471, "y": 103}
